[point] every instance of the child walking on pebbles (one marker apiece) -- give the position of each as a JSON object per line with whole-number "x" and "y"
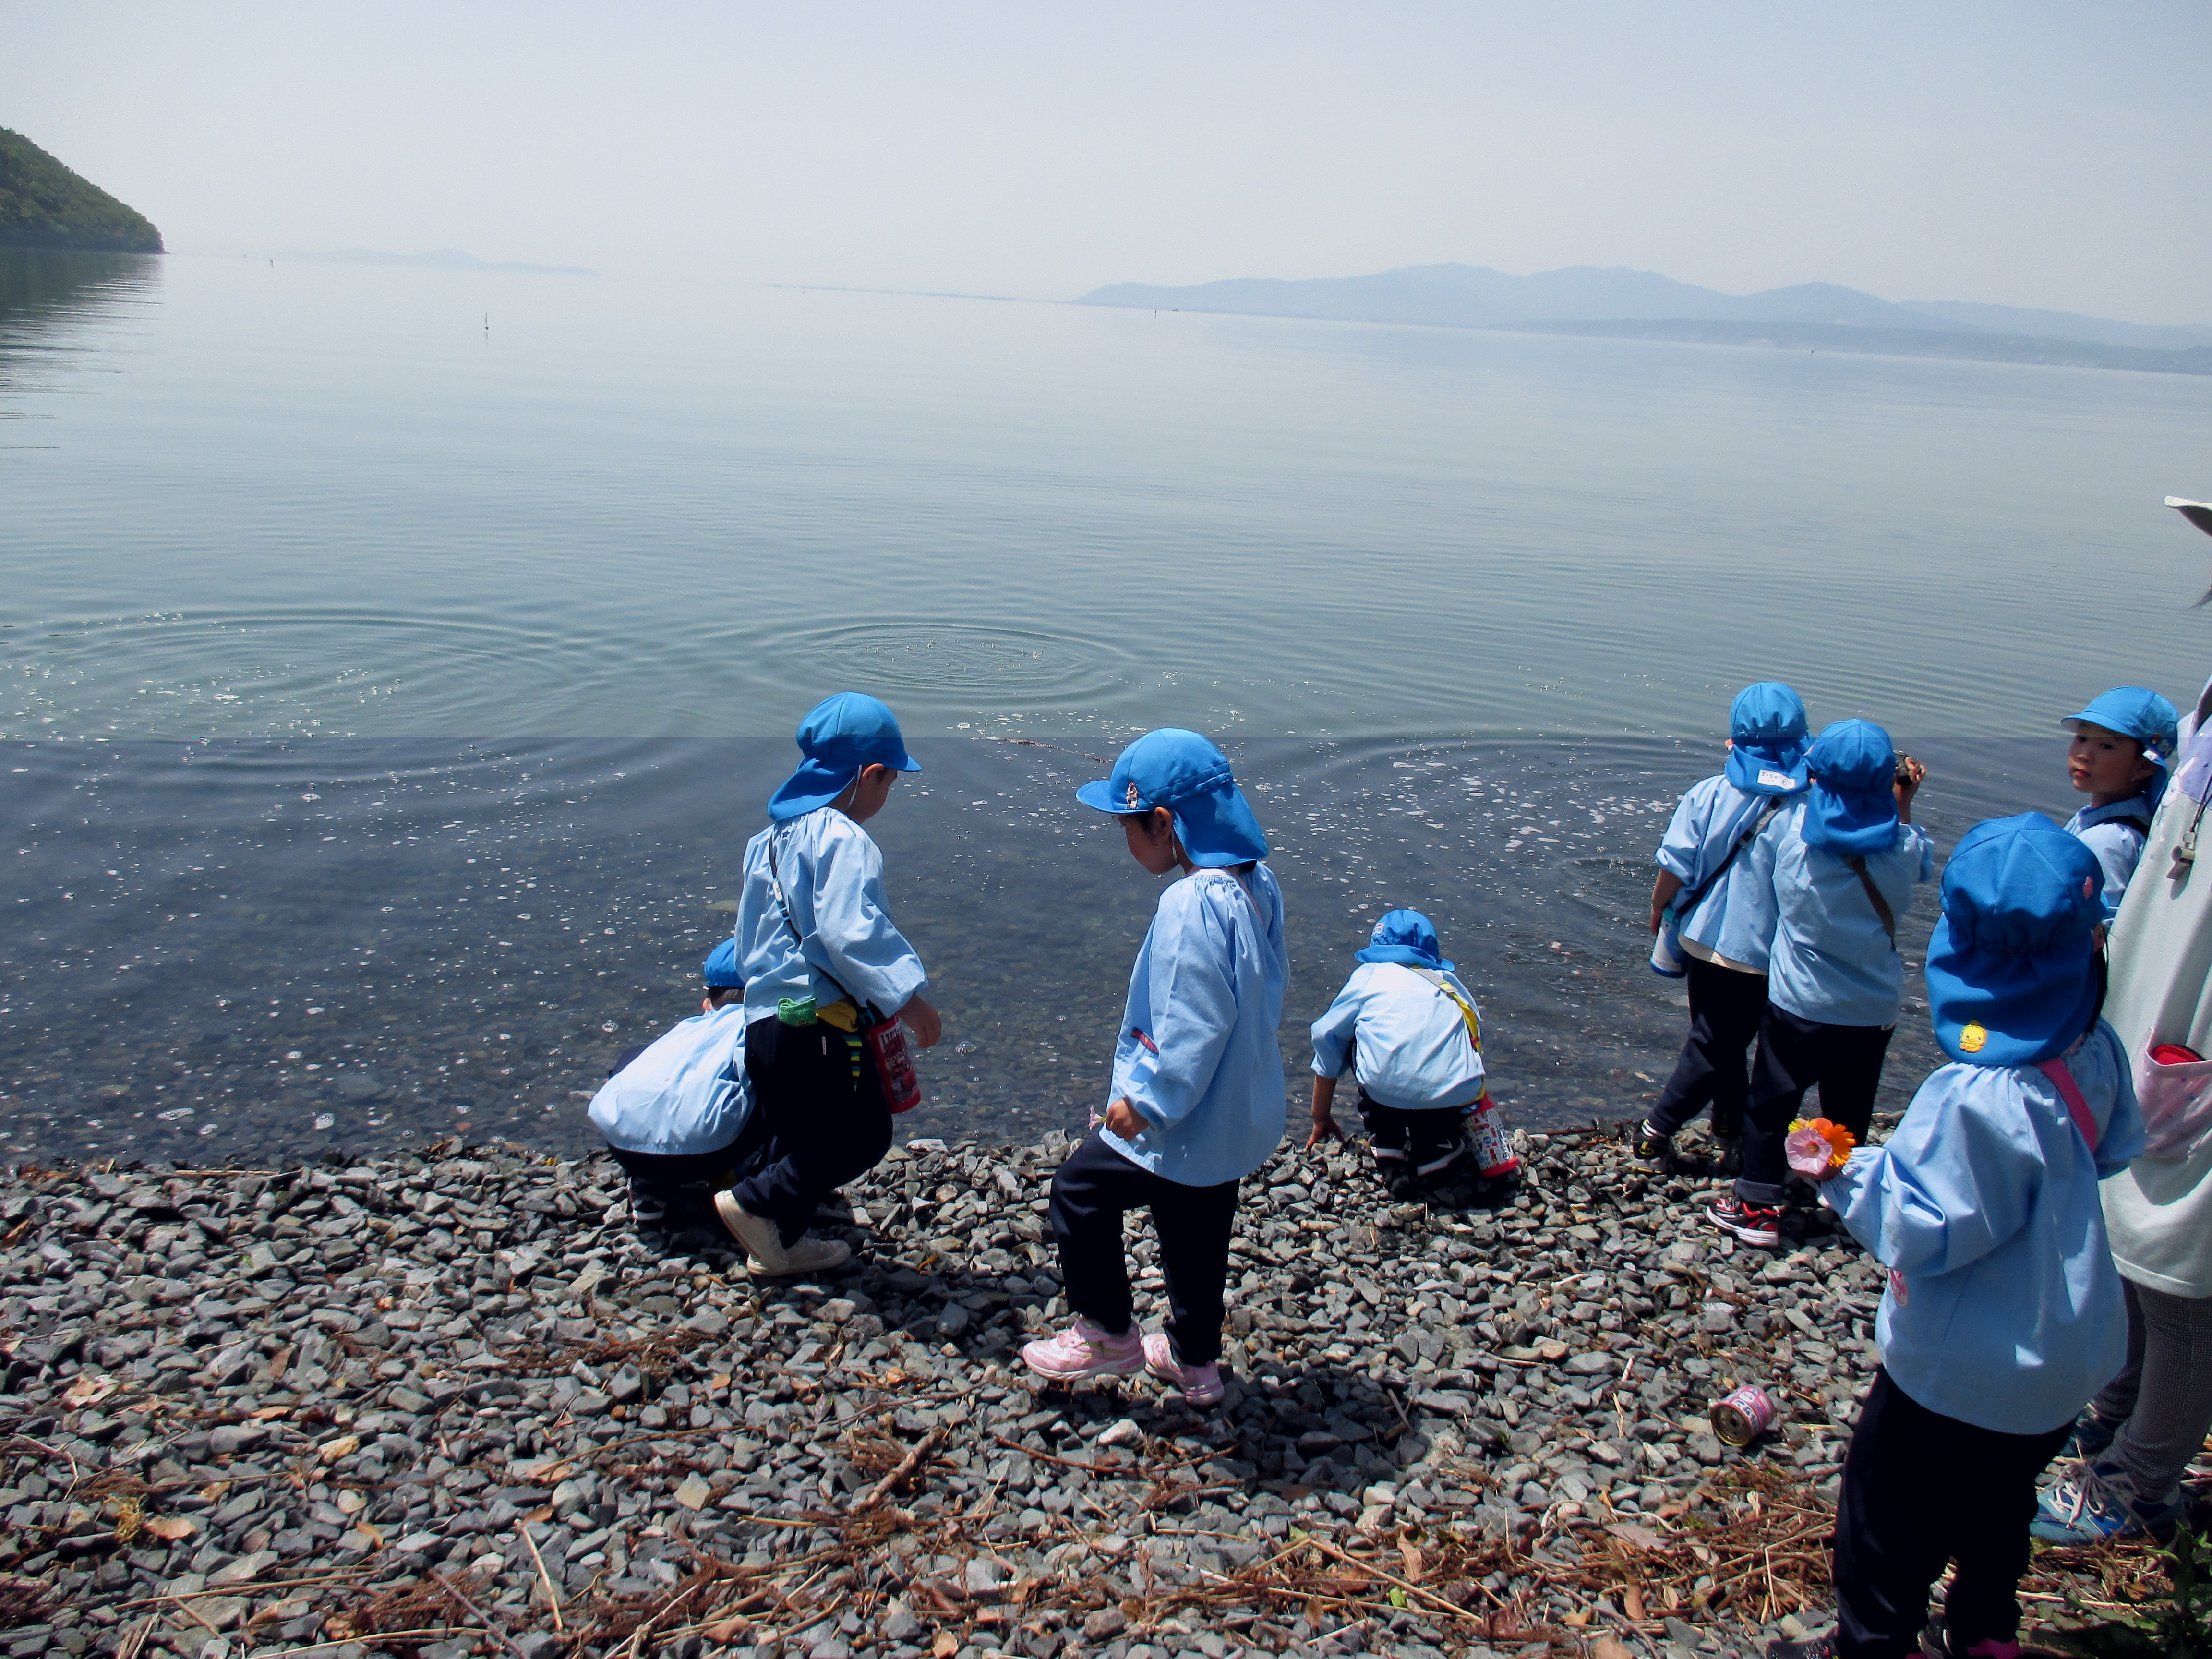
{"x": 1197, "y": 1095}
{"x": 2004, "y": 1312}
{"x": 1408, "y": 1030}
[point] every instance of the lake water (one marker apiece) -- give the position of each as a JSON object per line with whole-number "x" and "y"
{"x": 396, "y": 661}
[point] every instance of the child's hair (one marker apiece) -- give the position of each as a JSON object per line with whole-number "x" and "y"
{"x": 1243, "y": 869}
{"x": 721, "y": 995}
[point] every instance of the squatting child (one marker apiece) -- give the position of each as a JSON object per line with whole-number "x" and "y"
{"x": 678, "y": 1114}
{"x": 1410, "y": 1034}
{"x": 2003, "y": 1312}
{"x": 2123, "y": 744}
{"x": 1714, "y": 900}
{"x": 1845, "y": 858}
{"x": 822, "y": 962}
{"x": 1196, "y": 1102}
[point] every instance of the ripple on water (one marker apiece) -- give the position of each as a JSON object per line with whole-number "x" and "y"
{"x": 1027, "y": 665}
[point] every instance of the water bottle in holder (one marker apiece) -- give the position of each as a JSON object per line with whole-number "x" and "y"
{"x": 887, "y": 1046}
{"x": 1666, "y": 958}
{"x": 1494, "y": 1151}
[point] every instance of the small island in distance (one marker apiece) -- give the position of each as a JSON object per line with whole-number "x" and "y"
{"x": 1620, "y": 303}
{"x": 45, "y": 206}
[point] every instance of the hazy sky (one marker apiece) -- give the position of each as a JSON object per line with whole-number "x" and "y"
{"x": 2030, "y": 154}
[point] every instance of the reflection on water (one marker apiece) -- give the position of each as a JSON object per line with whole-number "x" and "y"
{"x": 57, "y": 307}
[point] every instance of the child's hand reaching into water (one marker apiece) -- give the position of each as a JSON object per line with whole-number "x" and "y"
{"x": 1125, "y": 1119}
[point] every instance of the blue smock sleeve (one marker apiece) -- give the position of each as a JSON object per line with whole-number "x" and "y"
{"x": 853, "y": 938}
{"x": 1683, "y": 844}
{"x": 1334, "y": 1031}
{"x": 1951, "y": 1185}
{"x": 1192, "y": 997}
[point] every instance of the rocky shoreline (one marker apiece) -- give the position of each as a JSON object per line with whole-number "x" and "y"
{"x": 452, "y": 1403}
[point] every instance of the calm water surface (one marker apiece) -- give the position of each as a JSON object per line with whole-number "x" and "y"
{"x": 386, "y": 696}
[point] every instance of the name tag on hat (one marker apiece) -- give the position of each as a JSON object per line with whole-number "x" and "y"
{"x": 1777, "y": 781}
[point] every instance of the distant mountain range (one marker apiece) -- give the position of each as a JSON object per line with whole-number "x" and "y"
{"x": 45, "y": 206}
{"x": 1644, "y": 305}
{"x": 443, "y": 258}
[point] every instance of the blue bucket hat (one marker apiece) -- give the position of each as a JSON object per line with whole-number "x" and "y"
{"x": 721, "y": 968}
{"x": 1851, "y": 804}
{"x": 1408, "y": 938}
{"x": 2136, "y": 711}
{"x": 1184, "y": 772}
{"x": 2011, "y": 976}
{"x": 1767, "y": 725}
{"x": 839, "y": 736}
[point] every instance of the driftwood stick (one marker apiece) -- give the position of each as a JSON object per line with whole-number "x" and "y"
{"x": 907, "y": 1465}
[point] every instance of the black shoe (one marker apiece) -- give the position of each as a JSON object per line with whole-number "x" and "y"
{"x": 1936, "y": 1643}
{"x": 648, "y": 1205}
{"x": 1652, "y": 1149}
{"x": 1822, "y": 1646}
{"x": 1728, "y": 1157}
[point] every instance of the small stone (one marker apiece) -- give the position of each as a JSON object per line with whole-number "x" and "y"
{"x": 982, "y": 1576}
{"x": 899, "y": 1624}
{"x": 708, "y": 1322}
{"x": 1105, "y": 1625}
{"x": 538, "y": 1644}
{"x": 232, "y": 1438}
{"x": 1123, "y": 1433}
{"x": 695, "y": 1492}
{"x": 589, "y": 1402}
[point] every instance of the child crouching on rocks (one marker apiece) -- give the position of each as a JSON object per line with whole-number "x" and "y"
{"x": 1408, "y": 1030}
{"x": 2004, "y": 1311}
{"x": 678, "y": 1114}
{"x": 1197, "y": 1095}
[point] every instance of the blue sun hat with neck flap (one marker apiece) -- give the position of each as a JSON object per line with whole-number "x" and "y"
{"x": 1766, "y": 727}
{"x": 2137, "y": 712}
{"x": 1184, "y": 772}
{"x": 1851, "y": 804}
{"x": 1408, "y": 938}
{"x": 2011, "y": 966}
{"x": 721, "y": 970}
{"x": 840, "y": 735}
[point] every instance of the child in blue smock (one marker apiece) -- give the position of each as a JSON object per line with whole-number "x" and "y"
{"x": 2004, "y": 1314}
{"x": 1845, "y": 860}
{"x": 1716, "y": 891}
{"x": 2123, "y": 742}
{"x": 1410, "y": 1033}
{"x": 1196, "y": 1102}
{"x": 822, "y": 959}
{"x": 678, "y": 1114}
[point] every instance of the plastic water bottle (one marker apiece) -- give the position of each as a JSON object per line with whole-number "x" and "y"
{"x": 1666, "y": 958}
{"x": 1494, "y": 1152}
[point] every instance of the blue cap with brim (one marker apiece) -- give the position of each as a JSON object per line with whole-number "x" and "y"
{"x": 1185, "y": 773}
{"x": 721, "y": 968}
{"x": 1850, "y": 805}
{"x": 1766, "y": 727}
{"x": 839, "y": 736}
{"x": 1408, "y": 938}
{"x": 2011, "y": 968}
{"x": 2135, "y": 711}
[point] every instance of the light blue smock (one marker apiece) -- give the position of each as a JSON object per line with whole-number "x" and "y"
{"x": 833, "y": 878}
{"x": 1833, "y": 960}
{"x": 2004, "y": 1309}
{"x": 1735, "y": 916}
{"x": 686, "y": 1093}
{"x": 2114, "y": 832}
{"x": 1197, "y": 1055}
{"x": 1404, "y": 1037}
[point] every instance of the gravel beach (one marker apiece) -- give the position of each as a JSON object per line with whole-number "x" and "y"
{"x": 453, "y": 1403}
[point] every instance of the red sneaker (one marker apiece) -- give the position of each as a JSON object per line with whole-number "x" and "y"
{"x": 1754, "y": 1224}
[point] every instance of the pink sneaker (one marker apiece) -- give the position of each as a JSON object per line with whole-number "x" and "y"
{"x": 1083, "y": 1350}
{"x": 1200, "y": 1384}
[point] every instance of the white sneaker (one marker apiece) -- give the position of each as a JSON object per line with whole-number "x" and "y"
{"x": 768, "y": 1257}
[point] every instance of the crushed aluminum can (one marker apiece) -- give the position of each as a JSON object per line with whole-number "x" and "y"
{"x": 1745, "y": 1415}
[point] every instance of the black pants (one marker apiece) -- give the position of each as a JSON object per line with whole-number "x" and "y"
{"x": 1920, "y": 1489}
{"x": 682, "y": 1175}
{"x": 816, "y": 1092}
{"x": 1795, "y": 1054}
{"x": 1092, "y": 1191}
{"x": 1725, "y": 1008}
{"x": 1425, "y": 1142}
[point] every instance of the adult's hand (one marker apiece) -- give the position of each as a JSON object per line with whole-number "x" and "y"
{"x": 922, "y": 1020}
{"x": 1125, "y": 1119}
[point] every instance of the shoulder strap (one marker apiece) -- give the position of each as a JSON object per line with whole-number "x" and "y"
{"x": 1466, "y": 1008}
{"x": 1880, "y": 904}
{"x": 1691, "y": 897}
{"x": 2070, "y": 1092}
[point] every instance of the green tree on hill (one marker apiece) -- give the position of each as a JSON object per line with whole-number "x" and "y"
{"x": 44, "y": 205}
